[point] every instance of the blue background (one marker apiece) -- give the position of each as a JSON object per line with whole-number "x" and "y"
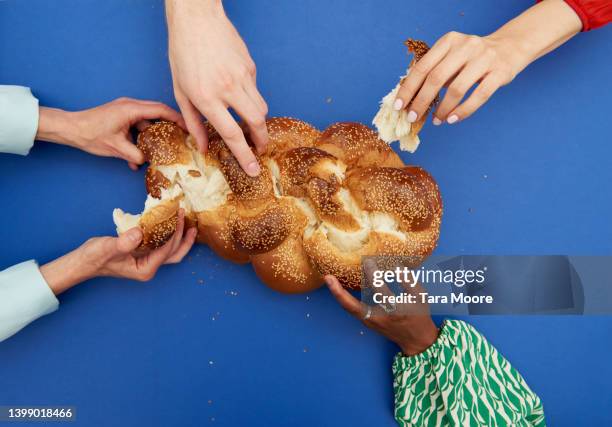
{"x": 528, "y": 174}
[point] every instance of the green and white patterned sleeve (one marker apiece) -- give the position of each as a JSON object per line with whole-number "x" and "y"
{"x": 462, "y": 380}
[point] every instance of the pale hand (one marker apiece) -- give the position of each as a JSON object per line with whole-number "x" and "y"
{"x": 212, "y": 71}
{"x": 104, "y": 130}
{"x": 461, "y": 62}
{"x": 113, "y": 256}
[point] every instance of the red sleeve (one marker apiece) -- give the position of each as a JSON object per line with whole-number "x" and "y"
{"x": 592, "y": 13}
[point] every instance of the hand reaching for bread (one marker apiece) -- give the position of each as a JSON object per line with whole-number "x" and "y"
{"x": 104, "y": 130}
{"x": 457, "y": 61}
{"x": 412, "y": 333}
{"x": 212, "y": 71}
{"x": 114, "y": 256}
{"x": 461, "y": 62}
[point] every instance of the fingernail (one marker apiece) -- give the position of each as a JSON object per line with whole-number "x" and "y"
{"x": 436, "y": 121}
{"x": 452, "y": 119}
{"x": 397, "y": 105}
{"x": 412, "y": 116}
{"x": 253, "y": 169}
{"x": 134, "y": 234}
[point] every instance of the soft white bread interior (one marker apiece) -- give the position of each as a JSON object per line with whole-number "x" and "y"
{"x": 322, "y": 202}
{"x": 125, "y": 221}
{"x": 393, "y": 125}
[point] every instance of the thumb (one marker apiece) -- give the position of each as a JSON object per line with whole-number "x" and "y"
{"x": 128, "y": 241}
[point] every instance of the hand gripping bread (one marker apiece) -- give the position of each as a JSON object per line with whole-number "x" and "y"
{"x": 322, "y": 201}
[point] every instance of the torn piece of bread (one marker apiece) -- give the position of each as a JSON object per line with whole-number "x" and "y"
{"x": 158, "y": 219}
{"x": 393, "y": 125}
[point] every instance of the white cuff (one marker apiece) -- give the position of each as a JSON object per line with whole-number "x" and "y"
{"x": 18, "y": 119}
{"x": 24, "y": 297}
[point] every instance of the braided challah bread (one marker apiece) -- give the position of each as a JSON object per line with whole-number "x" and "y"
{"x": 322, "y": 201}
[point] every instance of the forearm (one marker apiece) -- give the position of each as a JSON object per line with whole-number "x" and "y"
{"x": 539, "y": 30}
{"x": 179, "y": 10}
{"x": 418, "y": 334}
{"x": 65, "y": 272}
{"x": 58, "y": 126}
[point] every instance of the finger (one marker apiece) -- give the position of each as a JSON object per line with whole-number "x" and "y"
{"x": 481, "y": 94}
{"x": 128, "y": 241}
{"x": 154, "y": 110}
{"x": 178, "y": 120}
{"x": 178, "y": 233}
{"x": 434, "y": 82}
{"x": 369, "y": 267}
{"x": 459, "y": 86}
{"x": 128, "y": 151}
{"x": 253, "y": 92}
{"x": 142, "y": 101}
{"x": 233, "y": 137}
{"x": 142, "y": 125}
{"x": 184, "y": 247}
{"x": 419, "y": 72}
{"x": 159, "y": 255}
{"x": 193, "y": 120}
{"x": 254, "y": 117}
{"x": 344, "y": 298}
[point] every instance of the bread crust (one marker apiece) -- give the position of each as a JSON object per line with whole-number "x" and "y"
{"x": 260, "y": 229}
{"x": 286, "y": 133}
{"x": 159, "y": 224}
{"x": 163, "y": 143}
{"x": 213, "y": 230}
{"x": 419, "y": 48}
{"x": 357, "y": 146}
{"x": 155, "y": 182}
{"x": 409, "y": 194}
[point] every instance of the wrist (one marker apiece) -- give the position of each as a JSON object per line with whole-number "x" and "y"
{"x": 423, "y": 334}
{"x": 533, "y": 33}
{"x": 57, "y": 126}
{"x": 516, "y": 51}
{"x": 65, "y": 272}
{"x": 187, "y": 9}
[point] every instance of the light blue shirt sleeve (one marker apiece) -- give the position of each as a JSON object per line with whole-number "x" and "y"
{"x": 18, "y": 119}
{"x": 24, "y": 294}
{"x": 24, "y": 297}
